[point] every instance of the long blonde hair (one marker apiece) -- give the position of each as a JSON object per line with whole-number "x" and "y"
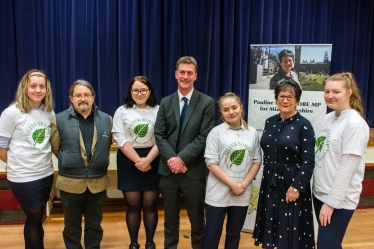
{"x": 355, "y": 99}
{"x": 233, "y": 95}
{"x": 22, "y": 99}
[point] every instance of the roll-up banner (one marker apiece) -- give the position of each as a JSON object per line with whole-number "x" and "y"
{"x": 311, "y": 68}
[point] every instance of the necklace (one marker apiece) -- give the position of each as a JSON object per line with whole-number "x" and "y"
{"x": 236, "y": 131}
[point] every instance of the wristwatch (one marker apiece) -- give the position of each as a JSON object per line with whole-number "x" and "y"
{"x": 295, "y": 189}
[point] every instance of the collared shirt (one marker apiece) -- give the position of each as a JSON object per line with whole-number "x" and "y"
{"x": 181, "y": 101}
{"x": 135, "y": 125}
{"x": 234, "y": 151}
{"x": 86, "y": 126}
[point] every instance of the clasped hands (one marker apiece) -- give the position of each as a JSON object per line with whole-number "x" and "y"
{"x": 176, "y": 165}
{"x": 238, "y": 190}
{"x": 143, "y": 164}
{"x": 292, "y": 196}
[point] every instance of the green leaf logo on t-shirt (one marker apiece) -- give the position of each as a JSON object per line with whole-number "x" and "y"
{"x": 237, "y": 157}
{"x": 141, "y": 130}
{"x": 38, "y": 136}
{"x": 319, "y": 143}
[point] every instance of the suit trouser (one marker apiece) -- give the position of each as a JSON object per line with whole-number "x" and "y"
{"x": 331, "y": 236}
{"x": 91, "y": 206}
{"x": 193, "y": 191}
{"x": 215, "y": 217}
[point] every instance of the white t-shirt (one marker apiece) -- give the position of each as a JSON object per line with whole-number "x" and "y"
{"x": 29, "y": 156}
{"x": 234, "y": 151}
{"x": 337, "y": 178}
{"x": 135, "y": 125}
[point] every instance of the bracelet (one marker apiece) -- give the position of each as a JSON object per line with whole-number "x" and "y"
{"x": 236, "y": 186}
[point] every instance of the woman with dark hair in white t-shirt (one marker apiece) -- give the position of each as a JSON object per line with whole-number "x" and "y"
{"x": 340, "y": 160}
{"x": 25, "y": 129}
{"x": 138, "y": 159}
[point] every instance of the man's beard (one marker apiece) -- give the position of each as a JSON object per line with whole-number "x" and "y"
{"x": 83, "y": 108}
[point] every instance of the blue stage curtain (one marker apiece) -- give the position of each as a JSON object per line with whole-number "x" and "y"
{"x": 110, "y": 42}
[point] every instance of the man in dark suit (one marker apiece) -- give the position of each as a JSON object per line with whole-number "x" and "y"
{"x": 183, "y": 122}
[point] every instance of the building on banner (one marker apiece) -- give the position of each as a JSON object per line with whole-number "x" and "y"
{"x": 310, "y": 68}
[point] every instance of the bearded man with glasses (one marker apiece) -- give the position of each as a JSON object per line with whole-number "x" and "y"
{"x": 81, "y": 139}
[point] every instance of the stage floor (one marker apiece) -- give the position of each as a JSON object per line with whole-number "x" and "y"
{"x": 360, "y": 233}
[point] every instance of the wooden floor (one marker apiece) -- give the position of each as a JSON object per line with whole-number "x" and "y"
{"x": 360, "y": 234}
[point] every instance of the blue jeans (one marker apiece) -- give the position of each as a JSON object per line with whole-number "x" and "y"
{"x": 331, "y": 236}
{"x": 91, "y": 206}
{"x": 215, "y": 217}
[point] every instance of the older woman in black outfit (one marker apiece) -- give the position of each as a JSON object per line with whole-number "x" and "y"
{"x": 284, "y": 213}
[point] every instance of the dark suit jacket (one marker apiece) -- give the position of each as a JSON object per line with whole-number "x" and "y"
{"x": 198, "y": 122}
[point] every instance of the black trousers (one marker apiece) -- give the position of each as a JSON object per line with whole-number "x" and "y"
{"x": 91, "y": 207}
{"x": 193, "y": 191}
{"x": 215, "y": 217}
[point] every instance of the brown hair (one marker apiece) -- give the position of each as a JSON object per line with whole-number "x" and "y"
{"x": 187, "y": 60}
{"x": 81, "y": 82}
{"x": 22, "y": 99}
{"x": 355, "y": 99}
{"x": 152, "y": 99}
{"x": 288, "y": 85}
{"x": 285, "y": 52}
{"x": 233, "y": 95}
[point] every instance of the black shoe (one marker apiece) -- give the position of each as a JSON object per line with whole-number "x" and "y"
{"x": 134, "y": 246}
{"x": 150, "y": 245}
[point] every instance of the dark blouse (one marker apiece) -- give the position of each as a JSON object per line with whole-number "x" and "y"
{"x": 290, "y": 142}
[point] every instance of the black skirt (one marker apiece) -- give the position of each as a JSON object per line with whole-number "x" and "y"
{"x": 132, "y": 179}
{"x": 32, "y": 195}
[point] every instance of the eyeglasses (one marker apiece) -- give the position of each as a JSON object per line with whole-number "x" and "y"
{"x": 289, "y": 97}
{"x": 80, "y": 96}
{"x": 142, "y": 91}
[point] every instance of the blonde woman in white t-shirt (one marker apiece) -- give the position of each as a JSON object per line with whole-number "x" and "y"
{"x": 25, "y": 129}
{"x": 340, "y": 160}
{"x": 233, "y": 157}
